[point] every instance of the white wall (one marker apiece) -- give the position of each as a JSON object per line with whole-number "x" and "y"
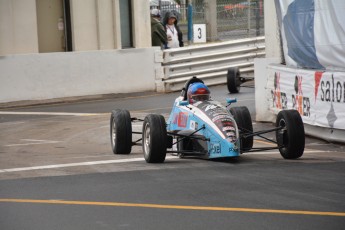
{"x": 84, "y": 25}
{"x": 272, "y": 38}
{"x": 18, "y": 27}
{"x": 141, "y": 23}
{"x": 273, "y": 55}
{"x": 56, "y": 75}
{"x": 96, "y": 24}
{"x": 262, "y": 109}
{"x": 105, "y": 11}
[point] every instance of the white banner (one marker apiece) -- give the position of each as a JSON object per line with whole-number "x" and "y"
{"x": 318, "y": 96}
{"x": 313, "y": 33}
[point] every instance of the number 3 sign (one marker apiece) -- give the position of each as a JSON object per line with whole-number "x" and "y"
{"x": 199, "y": 33}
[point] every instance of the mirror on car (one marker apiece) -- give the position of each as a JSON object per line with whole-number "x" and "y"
{"x": 183, "y": 103}
{"x": 231, "y": 100}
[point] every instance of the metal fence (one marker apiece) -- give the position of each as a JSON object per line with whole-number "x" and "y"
{"x": 236, "y": 19}
{"x": 210, "y": 62}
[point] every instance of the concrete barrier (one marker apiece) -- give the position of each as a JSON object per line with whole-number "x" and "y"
{"x": 59, "y": 75}
{"x": 310, "y": 92}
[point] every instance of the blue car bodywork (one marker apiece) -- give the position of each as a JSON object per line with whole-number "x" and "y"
{"x": 211, "y": 122}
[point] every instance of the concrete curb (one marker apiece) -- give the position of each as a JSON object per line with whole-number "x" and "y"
{"x": 27, "y": 103}
{"x": 327, "y": 134}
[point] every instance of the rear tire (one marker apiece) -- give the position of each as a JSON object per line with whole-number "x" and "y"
{"x": 154, "y": 139}
{"x": 291, "y": 139}
{"x": 233, "y": 80}
{"x": 121, "y": 131}
{"x": 245, "y": 126}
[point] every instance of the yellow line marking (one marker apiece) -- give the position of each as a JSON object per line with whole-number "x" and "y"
{"x": 200, "y": 208}
{"x": 265, "y": 142}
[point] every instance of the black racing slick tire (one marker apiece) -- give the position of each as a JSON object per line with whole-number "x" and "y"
{"x": 233, "y": 80}
{"x": 154, "y": 140}
{"x": 121, "y": 131}
{"x": 291, "y": 138}
{"x": 244, "y": 123}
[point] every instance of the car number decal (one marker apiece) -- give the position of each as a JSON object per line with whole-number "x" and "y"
{"x": 215, "y": 148}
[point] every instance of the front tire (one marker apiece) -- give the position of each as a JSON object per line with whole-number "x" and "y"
{"x": 121, "y": 131}
{"x": 244, "y": 123}
{"x": 154, "y": 141}
{"x": 290, "y": 139}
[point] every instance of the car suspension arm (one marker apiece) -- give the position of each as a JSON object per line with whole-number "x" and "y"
{"x": 189, "y": 136}
{"x": 262, "y": 132}
{"x": 188, "y": 153}
{"x": 261, "y": 149}
{"x": 136, "y": 119}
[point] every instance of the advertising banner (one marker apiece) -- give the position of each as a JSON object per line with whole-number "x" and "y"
{"x": 319, "y": 97}
{"x": 313, "y": 33}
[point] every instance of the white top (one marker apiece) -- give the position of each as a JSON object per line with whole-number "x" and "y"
{"x": 172, "y": 36}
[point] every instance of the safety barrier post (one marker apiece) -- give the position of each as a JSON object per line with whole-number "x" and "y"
{"x": 190, "y": 23}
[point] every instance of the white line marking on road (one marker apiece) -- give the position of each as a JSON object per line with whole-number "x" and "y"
{"x": 110, "y": 162}
{"x": 13, "y": 123}
{"x": 40, "y": 143}
{"x": 51, "y": 113}
{"x": 277, "y": 152}
{"x": 34, "y": 142}
{"x": 76, "y": 164}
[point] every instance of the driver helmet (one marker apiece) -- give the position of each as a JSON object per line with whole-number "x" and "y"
{"x": 198, "y": 92}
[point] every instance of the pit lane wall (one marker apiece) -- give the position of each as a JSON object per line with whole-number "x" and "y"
{"x": 308, "y": 37}
{"x": 30, "y": 77}
{"x": 319, "y": 97}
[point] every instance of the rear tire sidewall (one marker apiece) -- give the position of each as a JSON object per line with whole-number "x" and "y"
{"x": 233, "y": 80}
{"x": 154, "y": 141}
{"x": 121, "y": 131}
{"x": 293, "y": 135}
{"x": 244, "y": 122}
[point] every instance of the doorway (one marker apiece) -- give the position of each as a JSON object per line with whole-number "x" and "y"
{"x": 54, "y": 26}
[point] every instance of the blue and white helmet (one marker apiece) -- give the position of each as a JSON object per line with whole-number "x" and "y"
{"x": 198, "y": 92}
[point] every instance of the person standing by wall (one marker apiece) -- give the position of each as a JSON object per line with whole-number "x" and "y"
{"x": 174, "y": 34}
{"x": 159, "y": 36}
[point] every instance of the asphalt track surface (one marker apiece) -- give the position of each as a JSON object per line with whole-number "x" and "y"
{"x": 57, "y": 171}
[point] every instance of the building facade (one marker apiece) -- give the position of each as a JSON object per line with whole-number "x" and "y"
{"x": 64, "y": 48}
{"x": 41, "y": 26}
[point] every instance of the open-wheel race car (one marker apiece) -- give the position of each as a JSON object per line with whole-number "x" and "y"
{"x": 200, "y": 126}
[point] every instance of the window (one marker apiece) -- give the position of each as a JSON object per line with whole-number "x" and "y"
{"x": 126, "y": 23}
